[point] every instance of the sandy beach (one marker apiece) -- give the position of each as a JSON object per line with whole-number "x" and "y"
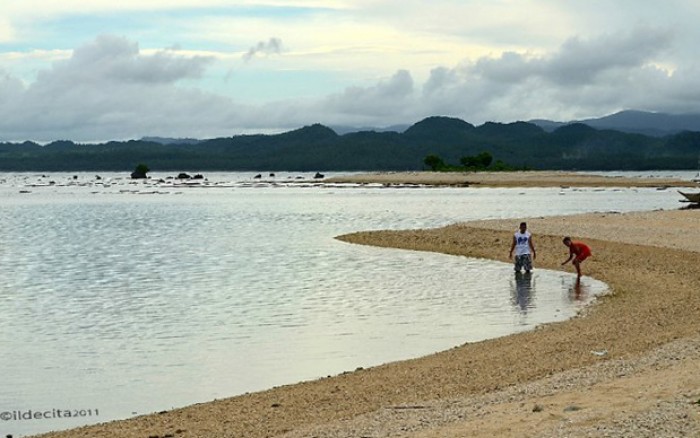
{"x": 626, "y": 366}
{"x": 506, "y": 179}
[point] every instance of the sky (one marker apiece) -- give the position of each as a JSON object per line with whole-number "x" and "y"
{"x": 98, "y": 70}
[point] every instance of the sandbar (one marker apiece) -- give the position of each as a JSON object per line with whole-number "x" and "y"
{"x": 507, "y": 179}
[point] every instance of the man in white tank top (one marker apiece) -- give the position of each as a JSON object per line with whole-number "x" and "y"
{"x": 524, "y": 249}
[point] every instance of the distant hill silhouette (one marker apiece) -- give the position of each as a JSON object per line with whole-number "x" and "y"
{"x": 640, "y": 122}
{"x": 342, "y": 129}
{"x": 168, "y": 140}
{"x": 318, "y": 147}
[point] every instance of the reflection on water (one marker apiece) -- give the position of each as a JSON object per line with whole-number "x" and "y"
{"x": 578, "y": 288}
{"x": 523, "y": 290}
{"x": 115, "y": 298}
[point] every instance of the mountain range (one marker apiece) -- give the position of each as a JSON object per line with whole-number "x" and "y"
{"x": 318, "y": 147}
{"x": 631, "y": 121}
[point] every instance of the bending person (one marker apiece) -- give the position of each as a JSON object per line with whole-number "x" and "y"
{"x": 578, "y": 251}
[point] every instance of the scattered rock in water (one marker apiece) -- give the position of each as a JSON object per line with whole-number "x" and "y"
{"x": 183, "y": 175}
{"x": 319, "y": 175}
{"x": 198, "y": 176}
{"x": 140, "y": 172}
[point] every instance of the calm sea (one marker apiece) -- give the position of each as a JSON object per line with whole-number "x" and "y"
{"x": 120, "y": 298}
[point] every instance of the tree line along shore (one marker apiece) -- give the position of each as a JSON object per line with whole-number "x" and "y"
{"x": 511, "y": 146}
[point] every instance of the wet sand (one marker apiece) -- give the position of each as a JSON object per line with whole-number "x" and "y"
{"x": 506, "y": 179}
{"x": 627, "y": 366}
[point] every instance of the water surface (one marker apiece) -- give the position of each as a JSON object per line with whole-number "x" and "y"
{"x": 137, "y": 297}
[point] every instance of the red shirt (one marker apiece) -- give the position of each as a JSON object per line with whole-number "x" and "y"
{"x": 581, "y": 250}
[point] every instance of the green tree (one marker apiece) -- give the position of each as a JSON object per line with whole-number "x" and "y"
{"x": 501, "y": 166}
{"x": 469, "y": 162}
{"x": 477, "y": 162}
{"x": 434, "y": 162}
{"x": 140, "y": 171}
{"x": 484, "y": 159}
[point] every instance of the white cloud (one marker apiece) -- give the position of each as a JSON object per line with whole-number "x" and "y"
{"x": 272, "y": 47}
{"x": 43, "y": 8}
{"x": 387, "y": 100}
{"x": 337, "y": 43}
{"x": 108, "y": 90}
{"x": 111, "y": 89}
{"x": 11, "y": 88}
{"x": 579, "y": 61}
{"x": 115, "y": 60}
{"x": 582, "y": 77}
{"x": 7, "y": 31}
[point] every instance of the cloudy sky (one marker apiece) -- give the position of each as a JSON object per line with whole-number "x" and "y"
{"x": 99, "y": 70}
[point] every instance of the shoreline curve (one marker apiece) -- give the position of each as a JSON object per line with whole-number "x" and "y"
{"x": 653, "y": 307}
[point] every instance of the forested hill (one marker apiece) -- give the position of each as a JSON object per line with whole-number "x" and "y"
{"x": 317, "y": 147}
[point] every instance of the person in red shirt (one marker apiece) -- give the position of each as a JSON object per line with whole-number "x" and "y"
{"x": 578, "y": 251}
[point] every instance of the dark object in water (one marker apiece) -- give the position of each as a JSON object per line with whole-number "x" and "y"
{"x": 690, "y": 197}
{"x": 319, "y": 175}
{"x": 140, "y": 172}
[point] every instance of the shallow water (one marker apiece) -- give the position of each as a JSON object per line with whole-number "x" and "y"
{"x": 133, "y": 298}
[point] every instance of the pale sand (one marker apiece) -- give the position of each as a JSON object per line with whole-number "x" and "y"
{"x": 679, "y": 229}
{"x": 507, "y": 179}
{"x": 546, "y": 382}
{"x": 652, "y": 393}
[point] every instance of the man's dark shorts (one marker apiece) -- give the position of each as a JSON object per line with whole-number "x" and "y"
{"x": 523, "y": 262}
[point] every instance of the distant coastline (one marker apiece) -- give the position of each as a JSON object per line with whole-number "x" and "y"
{"x": 317, "y": 147}
{"x": 507, "y": 179}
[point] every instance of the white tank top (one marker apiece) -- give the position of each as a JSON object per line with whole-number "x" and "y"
{"x": 522, "y": 243}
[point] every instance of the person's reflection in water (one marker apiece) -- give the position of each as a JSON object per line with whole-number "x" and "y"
{"x": 522, "y": 291}
{"x": 578, "y": 291}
